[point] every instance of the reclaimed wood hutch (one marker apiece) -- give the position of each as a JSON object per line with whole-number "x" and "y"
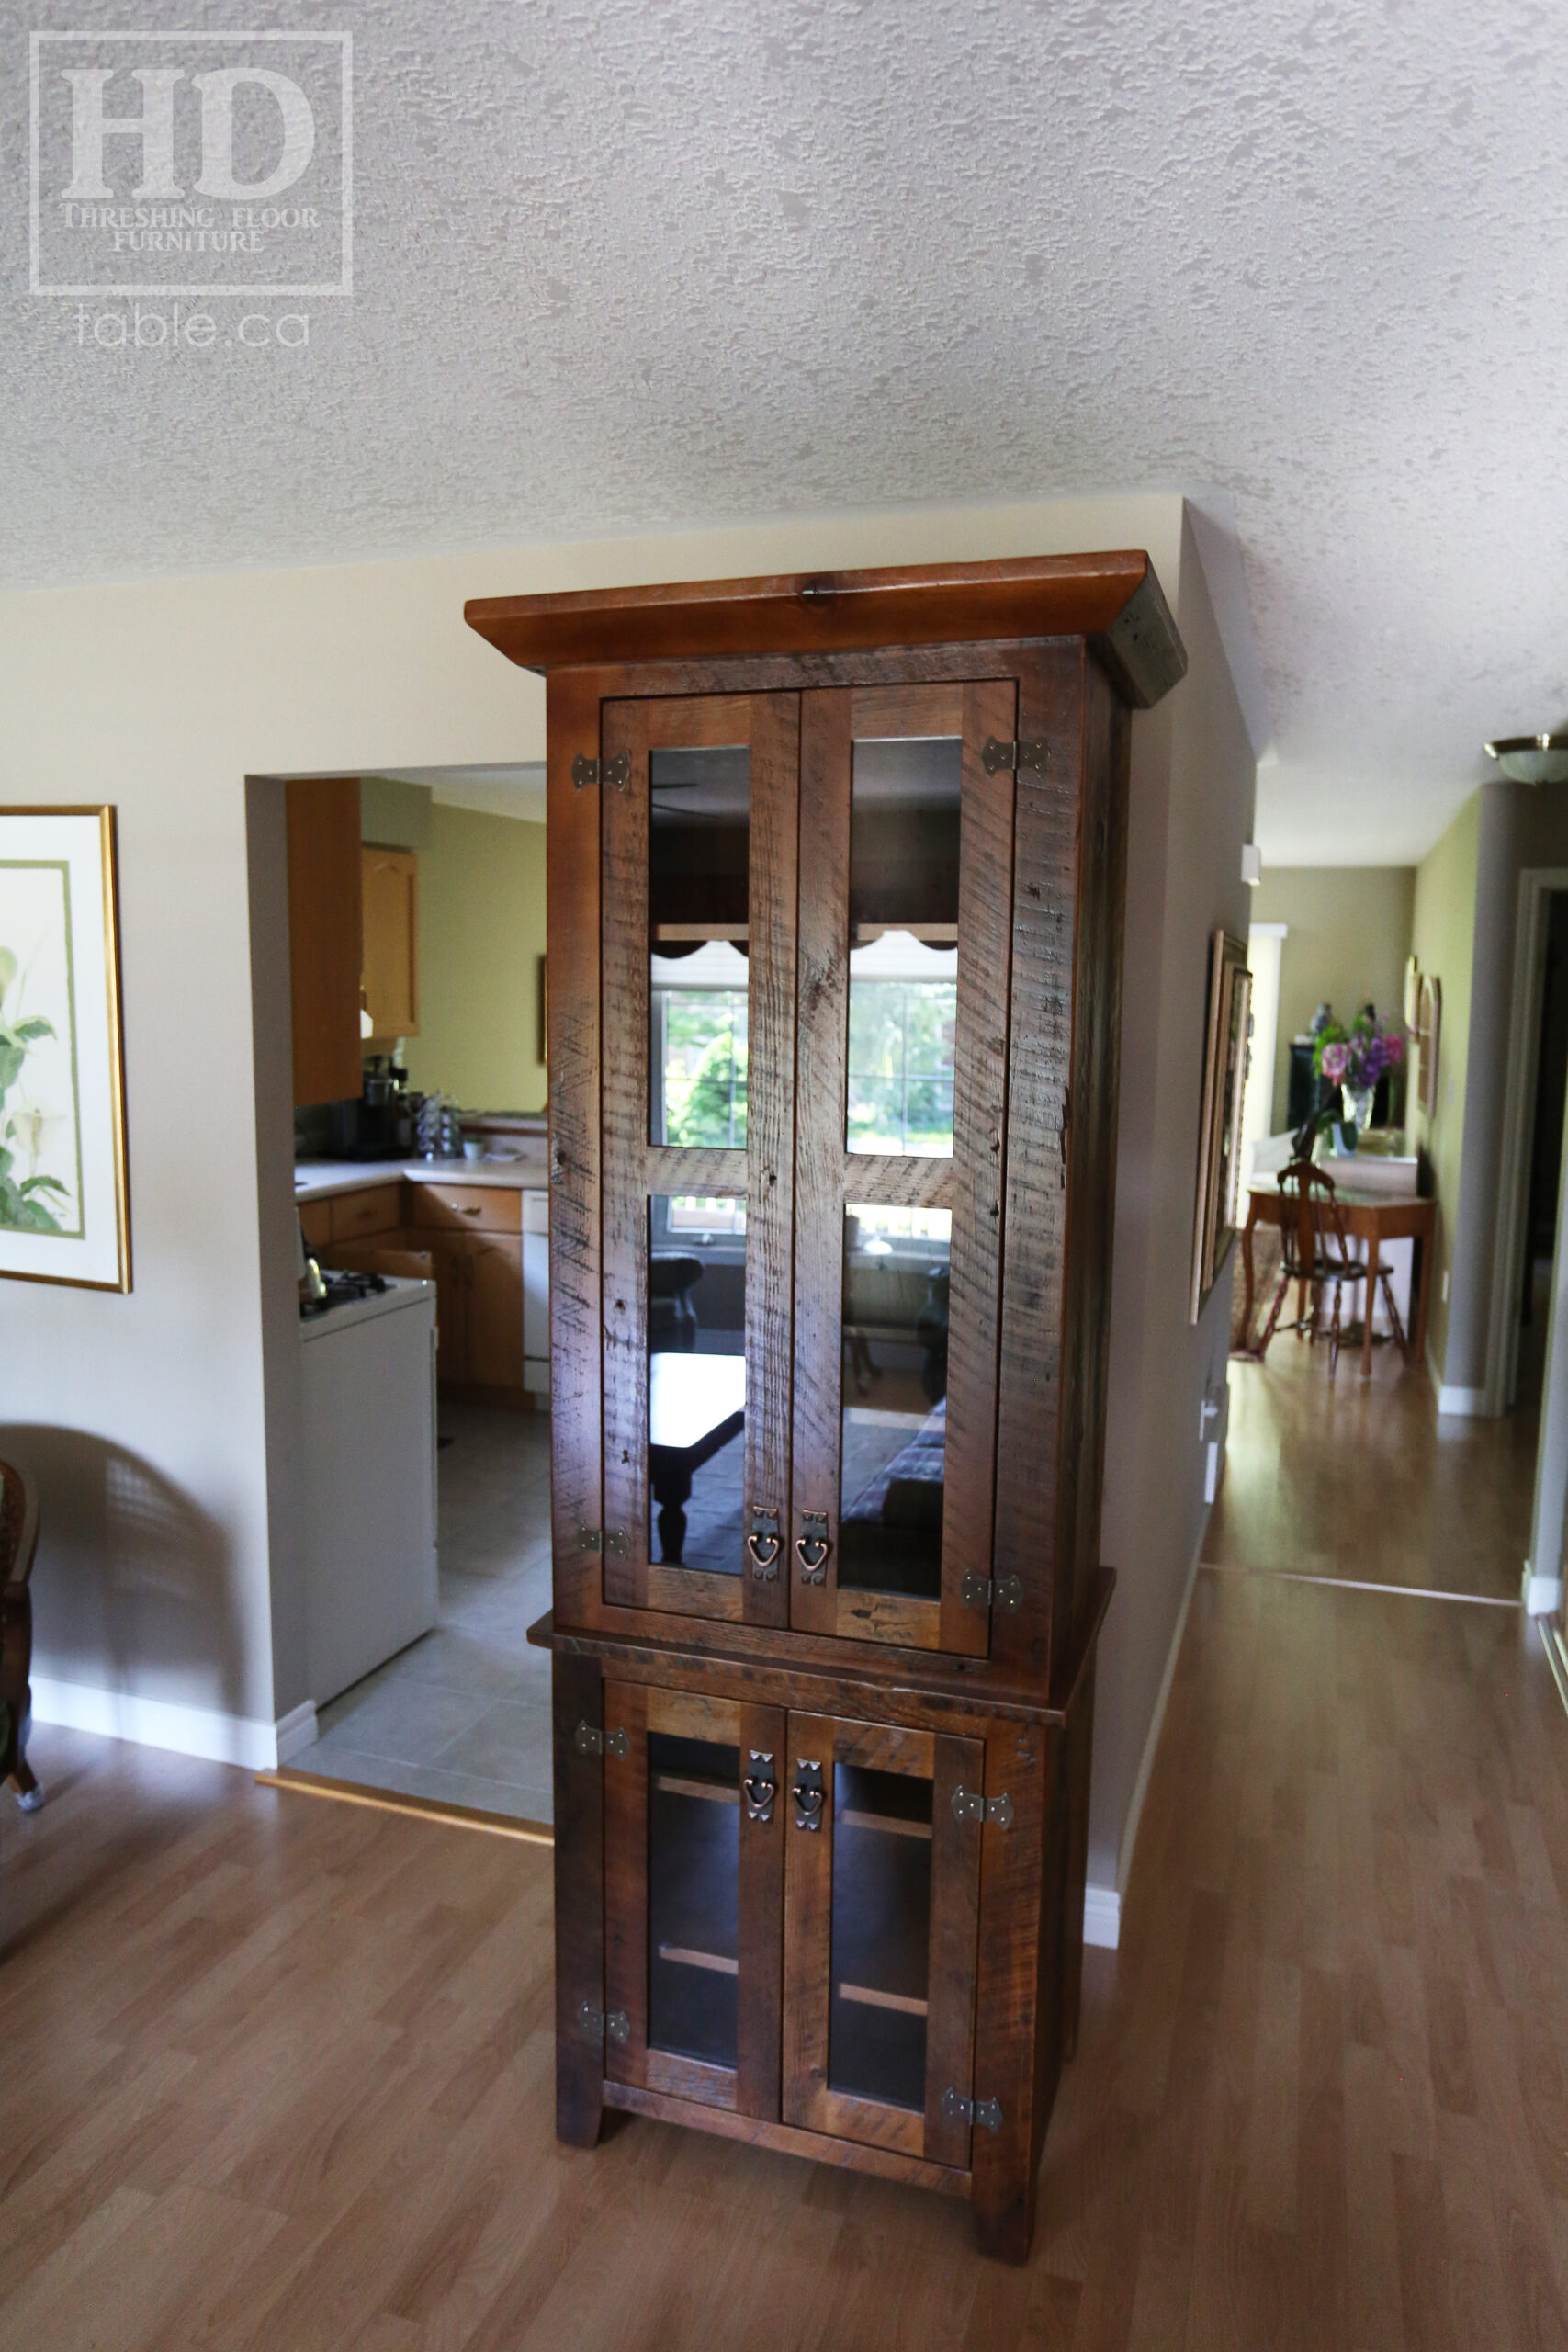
{"x": 836, "y": 882}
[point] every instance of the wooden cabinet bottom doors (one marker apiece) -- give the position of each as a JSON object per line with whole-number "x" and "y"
{"x": 693, "y": 1870}
{"x": 882, "y": 1878}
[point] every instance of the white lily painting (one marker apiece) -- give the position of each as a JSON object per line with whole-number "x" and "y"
{"x": 40, "y": 1127}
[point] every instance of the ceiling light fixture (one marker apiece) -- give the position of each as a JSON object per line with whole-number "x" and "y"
{"x": 1531, "y": 759}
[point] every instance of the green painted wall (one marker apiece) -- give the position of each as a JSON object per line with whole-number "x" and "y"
{"x": 481, "y": 934}
{"x": 1349, "y": 931}
{"x": 1443, "y": 942}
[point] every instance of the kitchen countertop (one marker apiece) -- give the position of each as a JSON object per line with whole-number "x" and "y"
{"x": 321, "y": 1180}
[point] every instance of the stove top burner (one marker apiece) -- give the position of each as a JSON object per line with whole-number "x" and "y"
{"x": 342, "y": 1289}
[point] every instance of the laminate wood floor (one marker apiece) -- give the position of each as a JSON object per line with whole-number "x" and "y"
{"x": 276, "y": 2072}
{"x": 1361, "y": 1478}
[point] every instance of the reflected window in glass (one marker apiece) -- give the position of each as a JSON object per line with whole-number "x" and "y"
{"x": 905, "y": 838}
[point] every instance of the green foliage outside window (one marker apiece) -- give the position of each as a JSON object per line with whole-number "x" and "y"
{"x": 901, "y": 1037}
{"x": 704, "y": 1068}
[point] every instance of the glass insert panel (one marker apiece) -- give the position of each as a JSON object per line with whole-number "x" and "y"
{"x": 881, "y": 1952}
{"x": 698, "y": 853}
{"x": 694, "y": 1897}
{"x": 904, "y": 852}
{"x": 894, "y": 1432}
{"x": 696, "y": 1380}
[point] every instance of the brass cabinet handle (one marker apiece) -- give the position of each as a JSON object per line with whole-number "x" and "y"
{"x": 809, "y": 1794}
{"x": 471, "y": 1208}
{"x": 812, "y": 1546}
{"x": 760, "y": 1786}
{"x": 764, "y": 1543}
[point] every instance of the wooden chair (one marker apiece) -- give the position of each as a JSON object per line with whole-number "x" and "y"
{"x": 1316, "y": 1252}
{"x": 19, "y": 1540}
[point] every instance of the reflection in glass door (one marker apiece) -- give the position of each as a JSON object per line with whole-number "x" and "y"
{"x": 699, "y": 844}
{"x": 905, "y": 960}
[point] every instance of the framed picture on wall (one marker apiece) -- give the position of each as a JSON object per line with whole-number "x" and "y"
{"x": 1428, "y": 1024}
{"x": 544, "y": 999}
{"x": 1227, "y": 1032}
{"x": 64, "y": 1211}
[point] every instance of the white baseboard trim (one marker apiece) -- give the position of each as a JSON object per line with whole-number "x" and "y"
{"x": 1541, "y": 1596}
{"x": 1461, "y": 1403}
{"x": 159, "y": 1722}
{"x": 1101, "y": 1917}
{"x": 1156, "y": 1721}
{"x": 1467, "y": 1402}
{"x": 296, "y": 1731}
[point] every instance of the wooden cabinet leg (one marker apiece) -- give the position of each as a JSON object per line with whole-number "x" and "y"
{"x": 578, "y": 1696}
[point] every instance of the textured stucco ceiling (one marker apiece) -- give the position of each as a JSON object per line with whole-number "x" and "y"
{"x": 620, "y": 265}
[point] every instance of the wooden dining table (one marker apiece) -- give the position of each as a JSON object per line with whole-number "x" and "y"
{"x": 1369, "y": 1216}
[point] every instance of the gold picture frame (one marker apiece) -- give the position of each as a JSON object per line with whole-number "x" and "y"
{"x": 65, "y": 1189}
{"x": 1227, "y": 1040}
{"x": 1428, "y": 1033}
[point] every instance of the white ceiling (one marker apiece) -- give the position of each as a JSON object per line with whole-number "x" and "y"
{"x": 622, "y": 265}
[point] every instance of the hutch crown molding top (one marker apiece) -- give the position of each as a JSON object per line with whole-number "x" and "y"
{"x": 836, "y": 874}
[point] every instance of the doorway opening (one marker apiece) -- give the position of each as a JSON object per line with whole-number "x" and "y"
{"x": 420, "y": 1177}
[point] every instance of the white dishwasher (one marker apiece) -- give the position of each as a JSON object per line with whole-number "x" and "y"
{"x": 368, "y": 1375}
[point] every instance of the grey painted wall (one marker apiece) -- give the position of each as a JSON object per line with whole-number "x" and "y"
{"x": 1194, "y": 789}
{"x": 1520, "y": 826}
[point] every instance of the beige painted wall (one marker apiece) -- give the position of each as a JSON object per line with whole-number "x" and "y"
{"x": 168, "y": 1569}
{"x": 1348, "y": 937}
{"x": 1443, "y": 943}
{"x": 481, "y": 934}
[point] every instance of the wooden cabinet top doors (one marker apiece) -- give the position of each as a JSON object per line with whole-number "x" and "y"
{"x": 835, "y": 944}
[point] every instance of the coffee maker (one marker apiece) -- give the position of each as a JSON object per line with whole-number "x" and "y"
{"x": 386, "y": 1111}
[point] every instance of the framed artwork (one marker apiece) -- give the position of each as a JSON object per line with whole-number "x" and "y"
{"x": 1228, "y": 1032}
{"x": 1428, "y": 1023}
{"x": 543, "y": 1050}
{"x": 64, "y": 1211}
{"x": 1412, "y": 1003}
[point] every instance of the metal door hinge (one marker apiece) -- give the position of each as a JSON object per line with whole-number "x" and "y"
{"x": 617, "y": 771}
{"x": 760, "y": 1786}
{"x": 604, "y": 1539}
{"x": 969, "y": 1804}
{"x": 589, "y": 1740}
{"x": 988, "y": 2112}
{"x": 600, "y": 2024}
{"x": 1027, "y": 752}
{"x": 991, "y": 1592}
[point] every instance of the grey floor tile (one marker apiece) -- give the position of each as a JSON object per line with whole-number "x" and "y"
{"x": 507, "y": 1743}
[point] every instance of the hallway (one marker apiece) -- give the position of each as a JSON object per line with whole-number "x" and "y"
{"x": 277, "y": 2071}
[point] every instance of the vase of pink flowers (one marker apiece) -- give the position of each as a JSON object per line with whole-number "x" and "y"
{"x": 1354, "y": 1059}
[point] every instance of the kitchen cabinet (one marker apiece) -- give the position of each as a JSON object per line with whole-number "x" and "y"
{"x": 837, "y": 880}
{"x": 325, "y": 935}
{"x": 389, "y": 901}
{"x": 493, "y": 1310}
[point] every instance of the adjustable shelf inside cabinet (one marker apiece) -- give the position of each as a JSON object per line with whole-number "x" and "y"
{"x": 836, "y": 880}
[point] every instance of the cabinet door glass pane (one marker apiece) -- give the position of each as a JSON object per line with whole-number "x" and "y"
{"x": 694, "y": 1897}
{"x": 699, "y": 851}
{"x": 881, "y": 1949}
{"x": 894, "y": 1447}
{"x": 696, "y": 1380}
{"x": 904, "y": 857}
